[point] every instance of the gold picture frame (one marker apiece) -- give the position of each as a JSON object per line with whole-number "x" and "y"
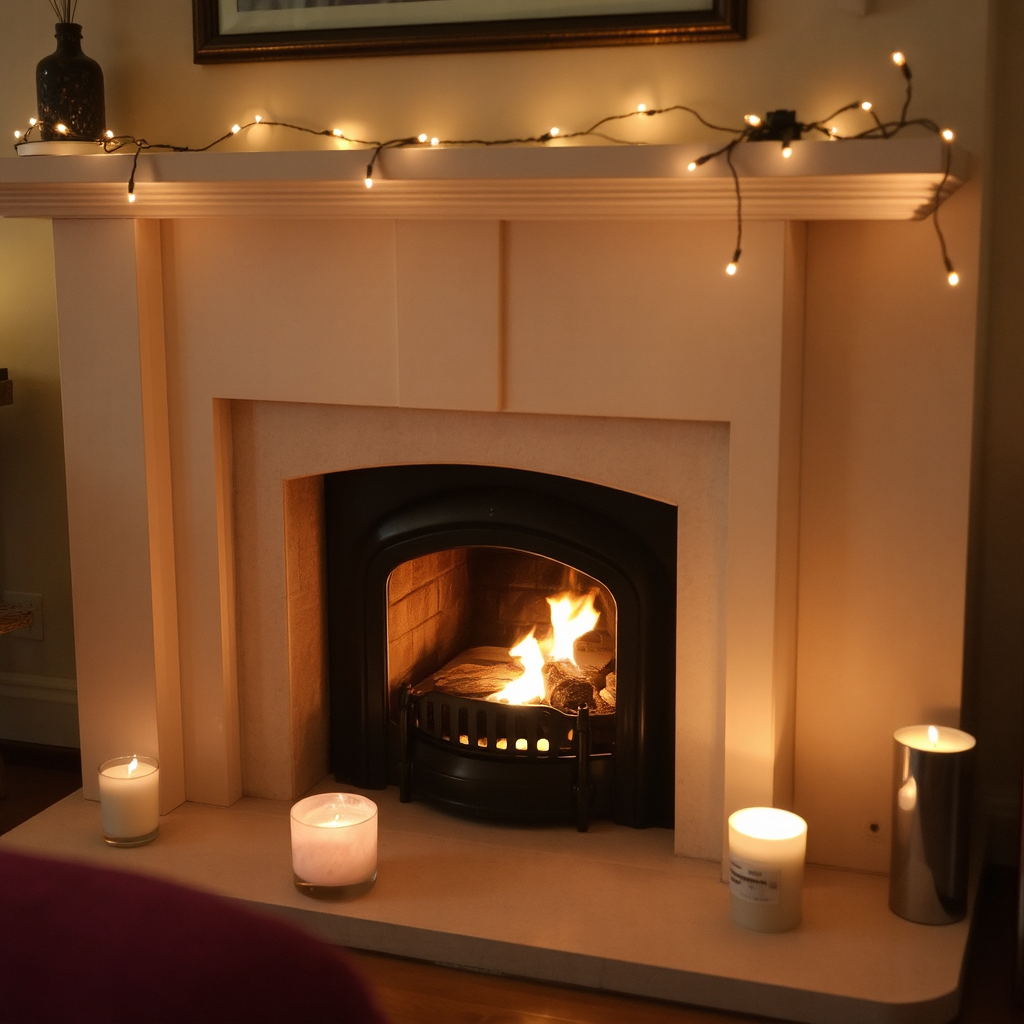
{"x": 254, "y": 30}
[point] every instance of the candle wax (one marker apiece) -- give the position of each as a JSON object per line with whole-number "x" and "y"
{"x": 129, "y": 800}
{"x": 942, "y": 739}
{"x": 766, "y": 868}
{"x": 334, "y": 839}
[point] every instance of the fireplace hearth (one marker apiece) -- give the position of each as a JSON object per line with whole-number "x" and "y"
{"x": 443, "y": 584}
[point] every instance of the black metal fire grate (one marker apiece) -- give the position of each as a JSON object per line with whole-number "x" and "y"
{"x": 466, "y": 727}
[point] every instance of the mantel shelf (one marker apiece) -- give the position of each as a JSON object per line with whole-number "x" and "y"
{"x": 854, "y": 180}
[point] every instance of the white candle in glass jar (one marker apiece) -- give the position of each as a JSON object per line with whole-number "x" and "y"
{"x": 766, "y": 868}
{"x": 334, "y": 839}
{"x": 130, "y": 799}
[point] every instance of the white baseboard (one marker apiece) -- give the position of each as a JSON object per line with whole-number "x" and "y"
{"x": 39, "y": 709}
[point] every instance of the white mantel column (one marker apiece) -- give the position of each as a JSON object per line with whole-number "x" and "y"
{"x": 117, "y": 472}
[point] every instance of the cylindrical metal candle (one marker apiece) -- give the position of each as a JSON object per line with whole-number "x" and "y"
{"x": 932, "y": 770}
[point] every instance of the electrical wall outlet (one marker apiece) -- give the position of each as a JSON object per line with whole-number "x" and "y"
{"x": 34, "y": 603}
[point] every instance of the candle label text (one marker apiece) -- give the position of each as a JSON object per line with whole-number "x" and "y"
{"x": 754, "y": 882}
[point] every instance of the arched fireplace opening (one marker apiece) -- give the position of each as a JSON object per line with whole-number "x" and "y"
{"x": 446, "y": 584}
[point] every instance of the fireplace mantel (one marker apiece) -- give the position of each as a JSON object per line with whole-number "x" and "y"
{"x": 893, "y": 179}
{"x": 257, "y": 320}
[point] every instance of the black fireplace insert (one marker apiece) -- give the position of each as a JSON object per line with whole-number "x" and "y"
{"x": 448, "y": 586}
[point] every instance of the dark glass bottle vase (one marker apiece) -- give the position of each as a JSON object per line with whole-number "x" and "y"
{"x": 69, "y": 89}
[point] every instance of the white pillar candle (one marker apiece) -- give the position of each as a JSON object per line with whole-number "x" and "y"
{"x": 934, "y": 739}
{"x": 334, "y": 840}
{"x": 130, "y": 800}
{"x": 766, "y": 868}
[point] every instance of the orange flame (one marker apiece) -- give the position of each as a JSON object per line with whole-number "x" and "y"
{"x": 572, "y": 615}
{"x": 530, "y": 685}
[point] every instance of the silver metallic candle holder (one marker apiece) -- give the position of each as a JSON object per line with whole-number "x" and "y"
{"x": 932, "y": 773}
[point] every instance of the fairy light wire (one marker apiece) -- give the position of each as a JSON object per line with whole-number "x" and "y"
{"x": 781, "y": 126}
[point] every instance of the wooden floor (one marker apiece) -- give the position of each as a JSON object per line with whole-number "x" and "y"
{"x": 417, "y": 993}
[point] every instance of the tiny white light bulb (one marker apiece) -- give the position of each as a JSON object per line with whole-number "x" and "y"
{"x": 235, "y": 129}
{"x": 899, "y": 59}
{"x": 17, "y": 135}
{"x": 258, "y": 118}
{"x": 752, "y": 119}
{"x": 109, "y": 134}
{"x": 833, "y": 131}
{"x": 787, "y": 152}
{"x": 866, "y": 105}
{"x": 368, "y": 181}
{"x": 953, "y": 278}
{"x": 337, "y": 133}
{"x": 131, "y": 197}
{"x": 422, "y": 137}
{"x": 641, "y": 108}
{"x": 62, "y": 128}
{"x": 435, "y": 141}
{"x": 553, "y": 132}
{"x": 32, "y": 121}
{"x": 692, "y": 165}
{"x": 948, "y": 135}
{"x": 731, "y": 269}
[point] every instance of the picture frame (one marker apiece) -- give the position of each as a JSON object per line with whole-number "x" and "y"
{"x": 226, "y": 31}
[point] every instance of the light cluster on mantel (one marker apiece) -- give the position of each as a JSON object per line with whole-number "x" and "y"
{"x": 777, "y": 125}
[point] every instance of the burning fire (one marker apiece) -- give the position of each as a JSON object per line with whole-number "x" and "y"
{"x": 530, "y": 685}
{"x": 572, "y": 615}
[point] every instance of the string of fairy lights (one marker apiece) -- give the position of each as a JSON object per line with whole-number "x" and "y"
{"x": 780, "y": 126}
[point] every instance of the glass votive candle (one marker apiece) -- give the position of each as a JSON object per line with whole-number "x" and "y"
{"x": 334, "y": 845}
{"x": 767, "y": 847}
{"x": 130, "y": 800}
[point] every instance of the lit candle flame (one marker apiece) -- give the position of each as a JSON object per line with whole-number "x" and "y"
{"x": 133, "y": 765}
{"x": 933, "y": 735}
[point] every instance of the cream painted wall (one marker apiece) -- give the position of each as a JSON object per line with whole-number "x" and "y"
{"x": 805, "y": 54}
{"x": 33, "y": 502}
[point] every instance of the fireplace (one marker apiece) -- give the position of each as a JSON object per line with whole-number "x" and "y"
{"x": 445, "y": 583}
{"x": 201, "y": 423}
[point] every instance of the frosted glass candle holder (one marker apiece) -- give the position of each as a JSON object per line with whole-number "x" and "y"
{"x": 766, "y": 868}
{"x": 130, "y": 800}
{"x": 334, "y": 845}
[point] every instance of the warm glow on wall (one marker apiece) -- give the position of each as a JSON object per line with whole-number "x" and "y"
{"x": 777, "y": 125}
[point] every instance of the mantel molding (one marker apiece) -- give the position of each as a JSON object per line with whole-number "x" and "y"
{"x": 853, "y": 180}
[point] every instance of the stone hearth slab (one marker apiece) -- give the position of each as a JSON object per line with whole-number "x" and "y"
{"x": 613, "y": 909}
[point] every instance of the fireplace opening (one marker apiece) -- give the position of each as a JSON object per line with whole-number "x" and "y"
{"x": 528, "y": 645}
{"x": 502, "y": 643}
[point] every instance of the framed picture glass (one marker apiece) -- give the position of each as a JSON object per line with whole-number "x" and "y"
{"x": 246, "y": 30}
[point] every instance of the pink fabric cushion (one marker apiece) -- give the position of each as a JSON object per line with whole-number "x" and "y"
{"x": 83, "y": 944}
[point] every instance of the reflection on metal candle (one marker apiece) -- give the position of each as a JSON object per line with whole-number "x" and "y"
{"x": 932, "y": 768}
{"x": 334, "y": 844}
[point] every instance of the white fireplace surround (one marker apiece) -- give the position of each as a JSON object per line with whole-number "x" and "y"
{"x": 257, "y": 320}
